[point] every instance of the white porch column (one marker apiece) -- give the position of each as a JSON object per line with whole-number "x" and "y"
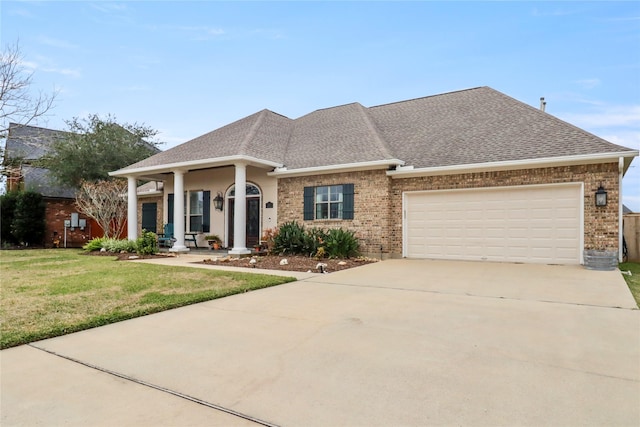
{"x": 240, "y": 212}
{"x": 132, "y": 208}
{"x": 178, "y": 212}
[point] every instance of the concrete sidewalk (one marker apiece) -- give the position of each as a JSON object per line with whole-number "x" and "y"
{"x": 395, "y": 343}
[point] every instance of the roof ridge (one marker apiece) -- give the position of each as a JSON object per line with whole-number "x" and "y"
{"x": 374, "y": 129}
{"x": 432, "y": 96}
{"x": 252, "y": 131}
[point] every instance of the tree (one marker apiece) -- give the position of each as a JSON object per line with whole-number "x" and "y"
{"x": 7, "y": 213}
{"x": 105, "y": 202}
{"x": 28, "y": 226}
{"x": 95, "y": 146}
{"x": 17, "y": 103}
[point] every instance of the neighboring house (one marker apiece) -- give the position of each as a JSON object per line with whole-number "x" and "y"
{"x": 25, "y": 146}
{"x": 469, "y": 175}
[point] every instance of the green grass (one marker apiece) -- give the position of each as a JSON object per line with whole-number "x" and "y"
{"x": 633, "y": 281}
{"x": 47, "y": 293}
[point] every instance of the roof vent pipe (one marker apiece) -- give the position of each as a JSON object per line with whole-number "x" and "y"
{"x": 543, "y": 104}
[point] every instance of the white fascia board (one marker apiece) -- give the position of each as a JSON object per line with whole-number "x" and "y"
{"x": 347, "y": 167}
{"x": 515, "y": 164}
{"x": 196, "y": 164}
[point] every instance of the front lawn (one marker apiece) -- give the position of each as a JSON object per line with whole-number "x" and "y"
{"x": 634, "y": 280}
{"x": 47, "y": 293}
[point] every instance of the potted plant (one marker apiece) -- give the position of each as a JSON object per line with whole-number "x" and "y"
{"x": 213, "y": 240}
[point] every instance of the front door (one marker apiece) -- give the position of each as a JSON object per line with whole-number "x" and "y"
{"x": 149, "y": 215}
{"x": 253, "y": 221}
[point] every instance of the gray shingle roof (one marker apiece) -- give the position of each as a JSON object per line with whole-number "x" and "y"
{"x": 465, "y": 127}
{"x": 30, "y": 142}
{"x": 41, "y": 181}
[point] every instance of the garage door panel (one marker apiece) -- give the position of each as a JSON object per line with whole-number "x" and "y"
{"x": 524, "y": 224}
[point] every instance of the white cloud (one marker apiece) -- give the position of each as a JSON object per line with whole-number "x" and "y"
{"x": 588, "y": 83}
{"x": 49, "y": 41}
{"x": 605, "y": 117}
{"x": 70, "y": 72}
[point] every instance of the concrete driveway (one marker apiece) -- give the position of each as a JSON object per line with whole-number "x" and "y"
{"x": 401, "y": 342}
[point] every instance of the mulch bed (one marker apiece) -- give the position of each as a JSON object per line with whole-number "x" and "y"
{"x": 265, "y": 262}
{"x": 294, "y": 263}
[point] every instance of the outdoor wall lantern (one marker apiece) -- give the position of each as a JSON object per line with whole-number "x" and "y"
{"x": 218, "y": 201}
{"x": 601, "y": 196}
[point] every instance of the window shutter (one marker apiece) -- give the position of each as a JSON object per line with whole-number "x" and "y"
{"x": 206, "y": 211}
{"x": 170, "y": 208}
{"x": 308, "y": 203}
{"x": 347, "y": 198}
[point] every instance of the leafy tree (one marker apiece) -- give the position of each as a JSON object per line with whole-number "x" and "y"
{"x": 7, "y": 212}
{"x": 28, "y": 224}
{"x": 95, "y": 146}
{"x": 106, "y": 203}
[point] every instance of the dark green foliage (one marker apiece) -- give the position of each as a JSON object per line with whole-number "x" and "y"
{"x": 28, "y": 225}
{"x": 7, "y": 212}
{"x": 147, "y": 244}
{"x": 341, "y": 243}
{"x": 94, "y": 147}
{"x": 290, "y": 239}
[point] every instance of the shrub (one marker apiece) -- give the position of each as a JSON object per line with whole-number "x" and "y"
{"x": 28, "y": 224}
{"x": 7, "y": 212}
{"x": 289, "y": 239}
{"x": 94, "y": 244}
{"x": 313, "y": 240}
{"x": 147, "y": 244}
{"x": 116, "y": 245}
{"x": 341, "y": 243}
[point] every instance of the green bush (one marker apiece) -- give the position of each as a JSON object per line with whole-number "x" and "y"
{"x": 341, "y": 243}
{"x": 7, "y": 212}
{"x": 147, "y": 244}
{"x": 94, "y": 244}
{"x": 290, "y": 239}
{"x": 116, "y": 245}
{"x": 28, "y": 224}
{"x": 314, "y": 239}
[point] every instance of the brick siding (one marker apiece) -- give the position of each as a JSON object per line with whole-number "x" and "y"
{"x": 378, "y": 201}
{"x": 56, "y": 212}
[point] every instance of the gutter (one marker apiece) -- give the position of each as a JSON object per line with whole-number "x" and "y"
{"x": 410, "y": 171}
{"x": 196, "y": 164}
{"x": 283, "y": 172}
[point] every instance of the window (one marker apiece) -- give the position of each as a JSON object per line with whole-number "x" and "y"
{"x": 197, "y": 210}
{"x": 328, "y": 202}
{"x": 196, "y": 201}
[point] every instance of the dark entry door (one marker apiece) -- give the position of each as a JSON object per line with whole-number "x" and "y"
{"x": 149, "y": 215}
{"x": 253, "y": 221}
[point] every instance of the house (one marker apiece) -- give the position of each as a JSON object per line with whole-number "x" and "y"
{"x": 25, "y": 146}
{"x": 467, "y": 175}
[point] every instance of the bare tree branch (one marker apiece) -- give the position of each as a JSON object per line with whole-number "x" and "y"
{"x": 106, "y": 203}
{"x": 17, "y": 103}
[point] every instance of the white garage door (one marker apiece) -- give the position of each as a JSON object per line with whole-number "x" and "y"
{"x": 532, "y": 224}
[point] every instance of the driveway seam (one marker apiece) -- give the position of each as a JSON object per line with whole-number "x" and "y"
{"x": 395, "y": 288}
{"x": 157, "y": 387}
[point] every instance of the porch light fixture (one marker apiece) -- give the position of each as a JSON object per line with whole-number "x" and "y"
{"x": 601, "y": 196}
{"x": 218, "y": 202}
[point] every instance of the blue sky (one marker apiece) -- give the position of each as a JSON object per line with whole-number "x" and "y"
{"x": 186, "y": 68}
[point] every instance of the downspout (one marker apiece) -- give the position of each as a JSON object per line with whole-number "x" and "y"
{"x": 620, "y": 217}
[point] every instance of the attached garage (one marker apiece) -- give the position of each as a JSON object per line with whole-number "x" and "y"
{"x": 531, "y": 224}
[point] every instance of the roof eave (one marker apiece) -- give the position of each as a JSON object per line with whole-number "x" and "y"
{"x": 409, "y": 172}
{"x": 196, "y": 164}
{"x": 347, "y": 167}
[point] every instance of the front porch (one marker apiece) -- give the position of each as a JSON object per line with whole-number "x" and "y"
{"x": 234, "y": 201}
